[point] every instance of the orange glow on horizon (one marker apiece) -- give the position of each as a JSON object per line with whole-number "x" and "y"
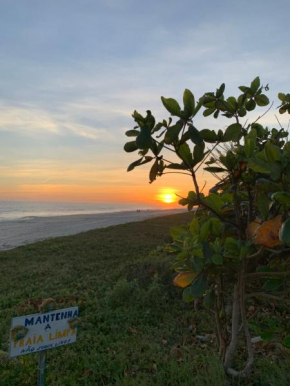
{"x": 57, "y": 185}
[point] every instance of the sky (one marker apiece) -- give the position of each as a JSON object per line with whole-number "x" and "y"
{"x": 73, "y": 71}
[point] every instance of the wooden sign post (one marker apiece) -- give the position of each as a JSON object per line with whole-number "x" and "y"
{"x": 41, "y": 368}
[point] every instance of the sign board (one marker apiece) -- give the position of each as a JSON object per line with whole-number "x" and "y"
{"x": 40, "y": 332}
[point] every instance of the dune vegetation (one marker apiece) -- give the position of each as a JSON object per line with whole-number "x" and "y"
{"x": 133, "y": 329}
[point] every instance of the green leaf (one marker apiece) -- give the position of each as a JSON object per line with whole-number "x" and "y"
{"x": 172, "y": 133}
{"x": 272, "y": 152}
{"x": 209, "y": 135}
{"x": 229, "y": 160}
{"x": 281, "y": 96}
{"x": 221, "y": 105}
{"x": 187, "y": 295}
{"x": 177, "y": 233}
{"x": 176, "y": 166}
{"x": 150, "y": 120}
{"x": 198, "y": 287}
{"x": 183, "y": 201}
{"x": 251, "y": 105}
{"x": 215, "y": 169}
{"x": 267, "y": 185}
{"x": 263, "y": 205}
{"x": 232, "y": 132}
{"x": 198, "y": 263}
{"x": 257, "y": 165}
{"x": 214, "y": 201}
{"x": 129, "y": 147}
{"x": 144, "y": 140}
{"x": 255, "y": 85}
{"x": 286, "y": 341}
{"x": 282, "y": 198}
{"x": 273, "y": 285}
{"x": 262, "y": 100}
{"x": 158, "y": 127}
{"x": 171, "y": 105}
{"x": 232, "y": 103}
{"x": 276, "y": 171}
{"x": 216, "y": 226}
{"x": 284, "y": 234}
{"x": 194, "y": 135}
{"x": 243, "y": 88}
{"x": 249, "y": 147}
{"x": 198, "y": 153}
{"x": 189, "y": 102}
{"x": 216, "y": 114}
{"x": 198, "y": 106}
{"x": 132, "y": 133}
{"x": 185, "y": 154}
{"x": 205, "y": 230}
{"x": 209, "y": 298}
{"x": 242, "y": 112}
{"x": 286, "y": 148}
{"x": 138, "y": 117}
{"x": 153, "y": 172}
{"x": 231, "y": 247}
{"x": 221, "y": 90}
{"x": 267, "y": 336}
{"x": 208, "y": 112}
{"x": 259, "y": 129}
{"x": 194, "y": 226}
{"x": 134, "y": 164}
{"x": 217, "y": 259}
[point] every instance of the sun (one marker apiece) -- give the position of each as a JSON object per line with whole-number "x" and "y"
{"x": 168, "y": 198}
{"x": 166, "y": 195}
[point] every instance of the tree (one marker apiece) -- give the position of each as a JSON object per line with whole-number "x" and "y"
{"x": 237, "y": 244}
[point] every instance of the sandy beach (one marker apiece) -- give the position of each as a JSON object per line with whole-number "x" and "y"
{"x": 14, "y": 233}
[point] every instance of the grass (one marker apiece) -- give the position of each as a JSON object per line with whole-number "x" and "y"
{"x": 134, "y": 328}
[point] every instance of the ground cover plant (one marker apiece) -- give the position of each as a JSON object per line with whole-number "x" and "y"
{"x": 133, "y": 328}
{"x": 236, "y": 248}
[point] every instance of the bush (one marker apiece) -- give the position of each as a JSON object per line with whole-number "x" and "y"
{"x": 236, "y": 247}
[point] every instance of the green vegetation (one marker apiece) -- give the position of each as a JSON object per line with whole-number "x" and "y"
{"x": 133, "y": 330}
{"x": 236, "y": 248}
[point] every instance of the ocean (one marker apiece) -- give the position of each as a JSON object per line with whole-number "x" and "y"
{"x": 16, "y": 210}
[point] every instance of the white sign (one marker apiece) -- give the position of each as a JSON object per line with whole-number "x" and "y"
{"x": 34, "y": 333}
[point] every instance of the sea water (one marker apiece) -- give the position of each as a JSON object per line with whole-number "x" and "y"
{"x": 15, "y": 210}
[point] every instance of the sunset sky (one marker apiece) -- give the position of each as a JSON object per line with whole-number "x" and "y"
{"x": 73, "y": 71}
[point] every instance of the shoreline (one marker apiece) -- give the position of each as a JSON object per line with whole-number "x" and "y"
{"x": 14, "y": 233}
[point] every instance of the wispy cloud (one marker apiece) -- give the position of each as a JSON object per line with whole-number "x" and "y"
{"x": 73, "y": 74}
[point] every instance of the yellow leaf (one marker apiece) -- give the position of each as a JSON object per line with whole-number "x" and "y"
{"x": 252, "y": 228}
{"x": 184, "y": 279}
{"x": 267, "y": 234}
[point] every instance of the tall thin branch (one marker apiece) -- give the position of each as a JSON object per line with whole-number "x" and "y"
{"x": 268, "y": 296}
{"x": 261, "y": 116}
{"x": 235, "y": 329}
{"x": 261, "y": 274}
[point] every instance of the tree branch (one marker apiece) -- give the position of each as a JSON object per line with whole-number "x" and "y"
{"x": 208, "y": 154}
{"x": 250, "y": 362}
{"x": 266, "y": 295}
{"x": 202, "y": 203}
{"x": 255, "y": 254}
{"x": 258, "y": 274}
{"x": 261, "y": 116}
{"x": 187, "y": 174}
{"x": 235, "y": 330}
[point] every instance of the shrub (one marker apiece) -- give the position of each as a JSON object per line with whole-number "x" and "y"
{"x": 237, "y": 245}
